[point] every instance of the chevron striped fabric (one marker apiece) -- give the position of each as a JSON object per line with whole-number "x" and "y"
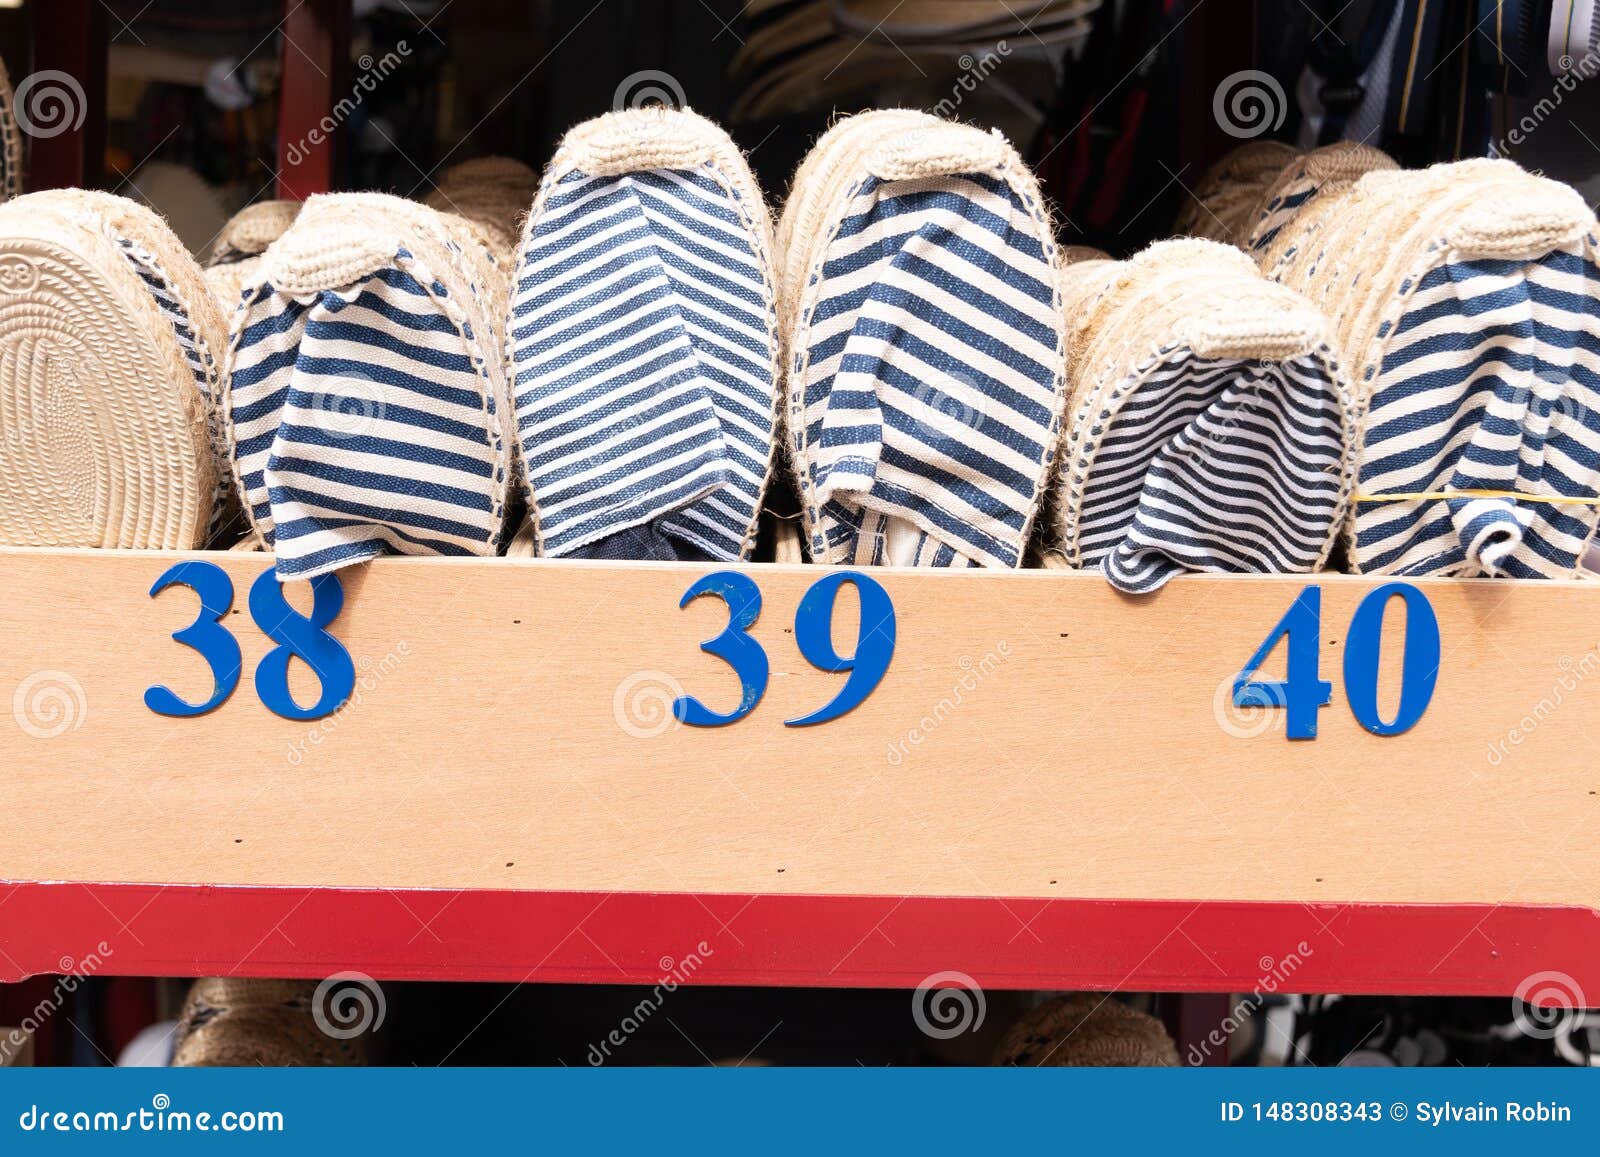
{"x": 1491, "y": 381}
{"x": 1212, "y": 430}
{"x": 644, "y": 352}
{"x": 929, "y": 369}
{"x": 365, "y": 414}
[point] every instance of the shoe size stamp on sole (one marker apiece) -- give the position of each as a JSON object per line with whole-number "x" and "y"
{"x": 298, "y": 636}
{"x": 1303, "y": 692}
{"x": 813, "y": 635}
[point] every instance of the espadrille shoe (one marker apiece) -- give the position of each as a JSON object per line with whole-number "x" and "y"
{"x": 236, "y": 254}
{"x": 493, "y": 192}
{"x": 368, "y": 412}
{"x": 643, "y": 343}
{"x": 1221, "y": 206}
{"x": 234, "y": 1022}
{"x": 1326, "y": 172}
{"x": 109, "y": 378}
{"x": 1087, "y": 1029}
{"x": 925, "y": 344}
{"x": 10, "y": 140}
{"x": 1466, "y": 301}
{"x": 1211, "y": 427}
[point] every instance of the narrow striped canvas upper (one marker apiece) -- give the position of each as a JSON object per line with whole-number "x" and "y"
{"x": 363, "y": 424}
{"x": 1490, "y": 380}
{"x": 643, "y": 345}
{"x": 931, "y": 369}
{"x": 1214, "y": 464}
{"x": 201, "y": 361}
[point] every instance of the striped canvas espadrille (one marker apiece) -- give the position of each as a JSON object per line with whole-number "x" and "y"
{"x": 643, "y": 343}
{"x": 368, "y": 411}
{"x": 1466, "y": 298}
{"x": 925, "y": 343}
{"x": 1211, "y": 426}
{"x": 1221, "y": 206}
{"x": 1325, "y": 172}
{"x": 236, "y": 254}
{"x": 110, "y": 377}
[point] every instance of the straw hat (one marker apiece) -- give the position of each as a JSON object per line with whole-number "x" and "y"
{"x": 1086, "y": 1029}
{"x": 1211, "y": 427}
{"x": 10, "y": 140}
{"x": 1465, "y": 299}
{"x": 1321, "y": 174}
{"x": 235, "y": 1022}
{"x": 492, "y": 192}
{"x": 1220, "y": 207}
{"x": 925, "y": 378}
{"x": 959, "y": 22}
{"x": 236, "y": 254}
{"x": 368, "y": 408}
{"x": 644, "y": 343}
{"x": 110, "y": 379}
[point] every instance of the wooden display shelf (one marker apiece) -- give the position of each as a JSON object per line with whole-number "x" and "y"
{"x": 1048, "y": 788}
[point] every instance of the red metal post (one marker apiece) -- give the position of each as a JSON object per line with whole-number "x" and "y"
{"x": 316, "y": 75}
{"x": 61, "y": 105}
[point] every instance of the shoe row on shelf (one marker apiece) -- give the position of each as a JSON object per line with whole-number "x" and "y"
{"x": 606, "y": 361}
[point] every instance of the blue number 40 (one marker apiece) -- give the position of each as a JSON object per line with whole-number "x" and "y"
{"x": 1302, "y": 691}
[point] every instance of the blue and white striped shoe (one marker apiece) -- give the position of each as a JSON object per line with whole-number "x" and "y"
{"x": 925, "y": 381}
{"x": 1211, "y": 427}
{"x": 643, "y": 343}
{"x": 1326, "y": 172}
{"x": 110, "y": 379}
{"x": 1466, "y": 298}
{"x": 368, "y": 411}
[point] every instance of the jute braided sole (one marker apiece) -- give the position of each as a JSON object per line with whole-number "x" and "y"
{"x": 102, "y": 430}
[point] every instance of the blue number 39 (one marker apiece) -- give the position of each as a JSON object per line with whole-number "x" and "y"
{"x": 298, "y": 636}
{"x": 813, "y": 634}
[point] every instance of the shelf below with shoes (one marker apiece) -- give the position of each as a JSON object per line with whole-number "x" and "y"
{"x": 1050, "y": 786}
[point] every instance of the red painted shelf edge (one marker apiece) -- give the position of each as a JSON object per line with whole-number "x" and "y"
{"x": 832, "y": 941}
